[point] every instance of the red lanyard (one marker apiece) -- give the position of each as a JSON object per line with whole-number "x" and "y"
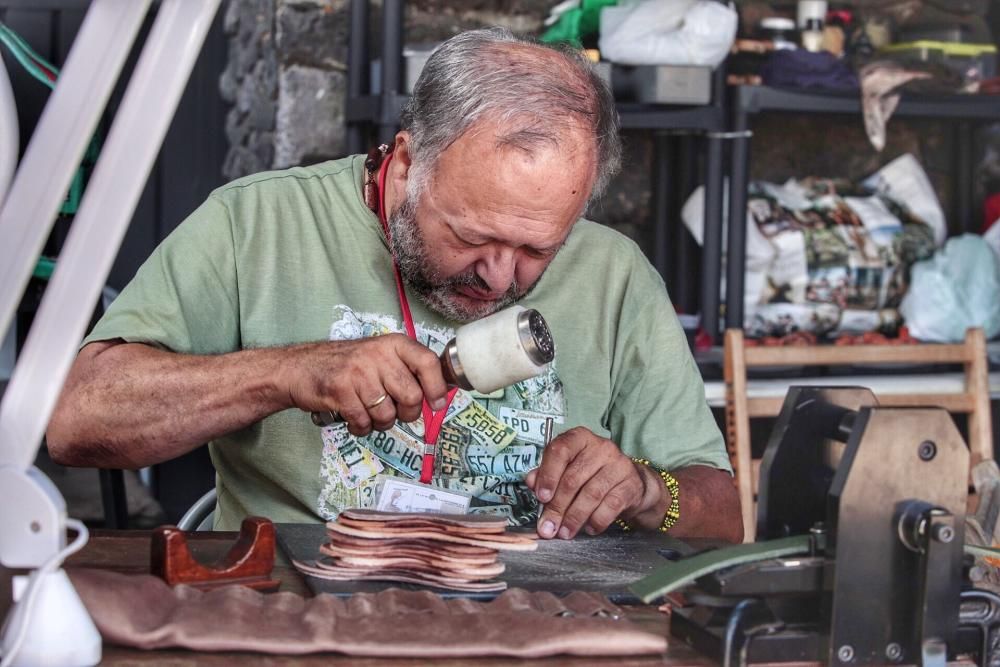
{"x": 432, "y": 420}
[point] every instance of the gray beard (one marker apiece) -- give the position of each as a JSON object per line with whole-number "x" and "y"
{"x": 439, "y": 293}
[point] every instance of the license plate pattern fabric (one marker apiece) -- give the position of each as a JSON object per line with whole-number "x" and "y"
{"x": 486, "y": 446}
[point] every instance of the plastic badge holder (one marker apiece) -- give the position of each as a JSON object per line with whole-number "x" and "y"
{"x": 396, "y": 494}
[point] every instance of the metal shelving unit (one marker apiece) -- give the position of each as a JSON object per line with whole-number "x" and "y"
{"x": 376, "y": 116}
{"x": 745, "y": 101}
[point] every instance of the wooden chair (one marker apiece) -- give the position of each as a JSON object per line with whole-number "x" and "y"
{"x": 973, "y": 400}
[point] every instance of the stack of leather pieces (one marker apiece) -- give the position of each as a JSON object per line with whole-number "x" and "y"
{"x": 452, "y": 551}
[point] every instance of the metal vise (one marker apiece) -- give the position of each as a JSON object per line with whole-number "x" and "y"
{"x": 882, "y": 494}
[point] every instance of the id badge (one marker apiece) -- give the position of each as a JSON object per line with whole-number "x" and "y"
{"x": 402, "y": 495}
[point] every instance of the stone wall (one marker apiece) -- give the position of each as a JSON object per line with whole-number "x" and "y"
{"x": 286, "y": 80}
{"x": 250, "y": 84}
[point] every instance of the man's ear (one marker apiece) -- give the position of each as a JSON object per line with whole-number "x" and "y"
{"x": 401, "y": 151}
{"x": 399, "y": 171}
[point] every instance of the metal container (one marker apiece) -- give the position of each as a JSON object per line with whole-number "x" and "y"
{"x": 974, "y": 62}
{"x": 663, "y": 84}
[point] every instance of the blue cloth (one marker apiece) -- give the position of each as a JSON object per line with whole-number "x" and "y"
{"x": 804, "y": 69}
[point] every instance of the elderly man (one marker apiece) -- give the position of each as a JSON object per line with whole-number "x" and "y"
{"x": 277, "y": 297}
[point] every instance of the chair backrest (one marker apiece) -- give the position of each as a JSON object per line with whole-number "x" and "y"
{"x": 201, "y": 515}
{"x": 973, "y": 400}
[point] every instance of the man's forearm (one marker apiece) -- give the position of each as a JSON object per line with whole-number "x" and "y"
{"x": 709, "y": 504}
{"x": 130, "y": 405}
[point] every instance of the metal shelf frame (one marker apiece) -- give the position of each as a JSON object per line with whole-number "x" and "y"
{"x": 964, "y": 110}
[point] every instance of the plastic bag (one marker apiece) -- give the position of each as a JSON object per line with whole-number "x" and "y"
{"x": 574, "y": 20}
{"x": 956, "y": 289}
{"x": 905, "y": 182}
{"x": 674, "y": 32}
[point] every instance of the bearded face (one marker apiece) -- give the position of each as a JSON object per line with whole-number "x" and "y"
{"x": 439, "y": 292}
{"x": 474, "y": 228}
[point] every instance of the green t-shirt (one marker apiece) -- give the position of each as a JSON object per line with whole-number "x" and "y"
{"x": 295, "y": 256}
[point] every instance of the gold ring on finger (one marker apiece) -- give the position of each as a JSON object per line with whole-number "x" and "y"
{"x": 377, "y": 401}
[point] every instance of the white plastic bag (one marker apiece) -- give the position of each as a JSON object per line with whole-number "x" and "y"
{"x": 956, "y": 289}
{"x": 760, "y": 253}
{"x": 904, "y": 181}
{"x": 668, "y": 32}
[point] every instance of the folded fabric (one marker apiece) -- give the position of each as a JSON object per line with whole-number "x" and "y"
{"x": 880, "y": 84}
{"x": 805, "y": 69}
{"x": 142, "y": 611}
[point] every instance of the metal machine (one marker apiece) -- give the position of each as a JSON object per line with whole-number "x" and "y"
{"x": 859, "y": 558}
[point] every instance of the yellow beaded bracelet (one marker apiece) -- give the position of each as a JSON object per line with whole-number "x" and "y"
{"x": 673, "y": 487}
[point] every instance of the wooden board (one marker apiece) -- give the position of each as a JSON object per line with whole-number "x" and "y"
{"x": 605, "y": 563}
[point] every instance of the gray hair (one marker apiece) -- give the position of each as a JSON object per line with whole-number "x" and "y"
{"x": 476, "y": 75}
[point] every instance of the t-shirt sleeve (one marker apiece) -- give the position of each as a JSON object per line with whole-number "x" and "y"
{"x": 658, "y": 410}
{"x": 185, "y": 297}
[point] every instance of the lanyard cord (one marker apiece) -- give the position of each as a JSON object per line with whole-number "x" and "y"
{"x": 432, "y": 420}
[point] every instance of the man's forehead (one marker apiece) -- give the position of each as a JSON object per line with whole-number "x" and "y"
{"x": 535, "y": 132}
{"x": 536, "y": 193}
{"x": 490, "y": 152}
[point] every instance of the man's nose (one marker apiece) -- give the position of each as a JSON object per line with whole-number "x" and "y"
{"x": 497, "y": 268}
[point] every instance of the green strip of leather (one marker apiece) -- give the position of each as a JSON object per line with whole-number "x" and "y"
{"x": 677, "y": 574}
{"x": 982, "y": 552}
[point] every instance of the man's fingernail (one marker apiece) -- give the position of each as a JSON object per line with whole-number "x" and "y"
{"x": 548, "y": 529}
{"x": 564, "y": 533}
{"x": 438, "y": 404}
{"x": 545, "y": 495}
{"x": 590, "y": 531}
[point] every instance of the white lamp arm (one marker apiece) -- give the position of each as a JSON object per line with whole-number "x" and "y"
{"x": 32, "y": 512}
{"x": 9, "y": 135}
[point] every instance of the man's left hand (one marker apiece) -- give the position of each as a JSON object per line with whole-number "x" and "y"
{"x": 585, "y": 482}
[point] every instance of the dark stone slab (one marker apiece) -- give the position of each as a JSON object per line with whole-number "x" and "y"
{"x": 605, "y": 564}
{"x": 313, "y": 33}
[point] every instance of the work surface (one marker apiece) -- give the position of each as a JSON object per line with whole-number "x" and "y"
{"x": 128, "y": 551}
{"x": 605, "y": 564}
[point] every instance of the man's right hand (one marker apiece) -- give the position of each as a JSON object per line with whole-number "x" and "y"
{"x": 129, "y": 405}
{"x": 352, "y": 376}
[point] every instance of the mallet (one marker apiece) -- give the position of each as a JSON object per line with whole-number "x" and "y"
{"x": 507, "y": 347}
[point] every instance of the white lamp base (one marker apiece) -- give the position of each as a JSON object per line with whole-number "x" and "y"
{"x": 59, "y": 632}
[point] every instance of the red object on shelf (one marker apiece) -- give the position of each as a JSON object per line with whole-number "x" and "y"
{"x": 991, "y": 211}
{"x": 702, "y": 341}
{"x": 801, "y": 338}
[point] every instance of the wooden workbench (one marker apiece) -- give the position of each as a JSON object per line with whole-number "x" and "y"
{"x": 128, "y": 551}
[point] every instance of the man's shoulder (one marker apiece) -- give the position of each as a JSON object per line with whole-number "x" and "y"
{"x": 597, "y": 240}
{"x": 609, "y": 261}
{"x": 290, "y": 179}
